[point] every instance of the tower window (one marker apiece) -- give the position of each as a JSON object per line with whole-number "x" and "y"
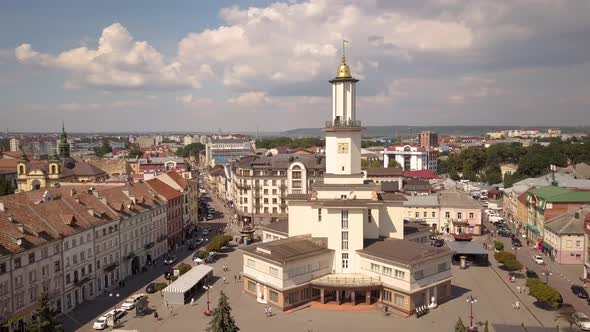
{"x": 21, "y": 169}
{"x": 343, "y": 168}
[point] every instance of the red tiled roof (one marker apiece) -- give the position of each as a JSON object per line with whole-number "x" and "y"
{"x": 8, "y": 164}
{"x": 178, "y": 179}
{"x": 163, "y": 189}
{"x": 423, "y": 174}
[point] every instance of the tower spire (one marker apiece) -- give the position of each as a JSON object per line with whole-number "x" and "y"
{"x": 343, "y": 69}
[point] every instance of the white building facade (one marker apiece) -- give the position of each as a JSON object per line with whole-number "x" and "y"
{"x": 412, "y": 158}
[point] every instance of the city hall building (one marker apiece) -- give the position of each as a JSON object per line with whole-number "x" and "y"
{"x": 345, "y": 242}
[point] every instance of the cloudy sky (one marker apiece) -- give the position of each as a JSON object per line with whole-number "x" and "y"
{"x": 202, "y": 65}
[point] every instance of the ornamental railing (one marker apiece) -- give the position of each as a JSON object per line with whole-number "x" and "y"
{"x": 337, "y": 123}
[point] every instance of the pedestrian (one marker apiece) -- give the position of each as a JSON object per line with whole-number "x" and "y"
{"x": 193, "y": 301}
{"x": 240, "y": 276}
{"x": 155, "y": 315}
{"x": 518, "y": 289}
{"x": 166, "y": 302}
{"x": 171, "y": 310}
{"x": 266, "y": 311}
{"x": 270, "y": 311}
{"x": 224, "y": 280}
{"x": 517, "y": 305}
{"x": 235, "y": 279}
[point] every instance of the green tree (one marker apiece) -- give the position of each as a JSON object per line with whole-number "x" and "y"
{"x": 486, "y": 328}
{"x": 190, "y": 151}
{"x": 493, "y": 174}
{"x": 393, "y": 163}
{"x": 222, "y": 320}
{"x": 45, "y": 317}
{"x": 459, "y": 326}
{"x": 370, "y": 163}
{"x": 218, "y": 242}
{"x": 5, "y": 187}
{"x": 183, "y": 268}
{"x": 503, "y": 256}
{"x": 513, "y": 265}
{"x": 498, "y": 246}
{"x": 508, "y": 180}
{"x": 104, "y": 149}
{"x": 543, "y": 292}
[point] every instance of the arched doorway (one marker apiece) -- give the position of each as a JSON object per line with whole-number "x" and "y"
{"x": 36, "y": 185}
{"x": 135, "y": 265}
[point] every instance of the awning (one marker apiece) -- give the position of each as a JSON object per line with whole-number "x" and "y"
{"x": 532, "y": 228}
{"x": 546, "y": 245}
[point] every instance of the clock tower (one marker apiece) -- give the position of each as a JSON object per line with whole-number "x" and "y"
{"x": 343, "y": 131}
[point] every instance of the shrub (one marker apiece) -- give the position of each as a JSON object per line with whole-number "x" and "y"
{"x": 543, "y": 292}
{"x": 183, "y": 268}
{"x": 218, "y": 242}
{"x": 159, "y": 286}
{"x": 513, "y": 265}
{"x": 499, "y": 245}
{"x": 203, "y": 254}
{"x": 504, "y": 256}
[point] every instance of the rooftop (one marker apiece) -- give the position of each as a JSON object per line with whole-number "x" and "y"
{"x": 289, "y": 249}
{"x": 402, "y": 251}
{"x": 456, "y": 199}
{"x": 571, "y": 223}
{"x": 282, "y": 161}
{"x": 384, "y": 171}
{"x": 561, "y": 195}
{"x": 425, "y": 201}
{"x": 281, "y": 226}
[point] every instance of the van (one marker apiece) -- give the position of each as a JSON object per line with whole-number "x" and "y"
{"x": 495, "y": 219}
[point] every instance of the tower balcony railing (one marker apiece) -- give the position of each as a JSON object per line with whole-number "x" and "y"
{"x": 337, "y": 123}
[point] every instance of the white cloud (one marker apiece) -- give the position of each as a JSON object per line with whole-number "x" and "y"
{"x": 118, "y": 62}
{"x": 250, "y": 99}
{"x": 192, "y": 101}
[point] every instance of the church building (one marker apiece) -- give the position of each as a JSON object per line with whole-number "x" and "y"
{"x": 37, "y": 174}
{"x": 345, "y": 242}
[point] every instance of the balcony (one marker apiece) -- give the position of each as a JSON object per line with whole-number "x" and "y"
{"x": 257, "y": 187}
{"x": 243, "y": 186}
{"x": 346, "y": 280}
{"x": 149, "y": 245}
{"x": 130, "y": 256}
{"x": 82, "y": 281}
{"x": 283, "y": 187}
{"x": 283, "y": 205}
{"x": 257, "y": 194}
{"x": 111, "y": 267}
{"x": 337, "y": 123}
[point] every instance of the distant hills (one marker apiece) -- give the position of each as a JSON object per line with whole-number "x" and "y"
{"x": 404, "y": 131}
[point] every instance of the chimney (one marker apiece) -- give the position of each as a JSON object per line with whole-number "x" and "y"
{"x": 72, "y": 192}
{"x": 91, "y": 212}
{"x": 2, "y": 208}
{"x": 21, "y": 228}
{"x": 77, "y": 200}
{"x": 103, "y": 200}
{"x": 10, "y": 218}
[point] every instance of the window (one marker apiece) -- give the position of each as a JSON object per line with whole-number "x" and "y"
{"x": 273, "y": 296}
{"x": 447, "y": 214}
{"x": 342, "y": 196}
{"x": 419, "y": 275}
{"x": 44, "y": 270}
{"x": 17, "y": 263}
{"x": 68, "y": 279}
{"x": 56, "y": 266}
{"x": 345, "y": 260}
{"x": 273, "y": 271}
{"x": 319, "y": 215}
{"x": 292, "y": 298}
{"x": 417, "y": 214}
{"x": 251, "y": 286}
{"x": 305, "y": 293}
{"x": 375, "y": 267}
{"x": 578, "y": 243}
{"x": 386, "y": 296}
{"x": 425, "y": 214}
{"x": 387, "y": 271}
{"x": 400, "y": 274}
{"x": 2, "y": 268}
{"x": 568, "y": 243}
{"x": 471, "y": 215}
{"x": 251, "y": 263}
{"x": 459, "y": 215}
{"x": 442, "y": 267}
{"x": 344, "y": 240}
{"x": 18, "y": 281}
{"x": 44, "y": 252}
{"x": 369, "y": 216}
{"x": 344, "y": 219}
{"x": 433, "y": 214}
{"x": 399, "y": 300}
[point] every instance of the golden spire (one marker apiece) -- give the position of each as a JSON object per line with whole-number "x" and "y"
{"x": 343, "y": 69}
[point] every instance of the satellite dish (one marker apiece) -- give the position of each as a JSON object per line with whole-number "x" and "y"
{"x": 19, "y": 242}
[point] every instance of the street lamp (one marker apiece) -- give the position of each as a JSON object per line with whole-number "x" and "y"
{"x": 471, "y": 300}
{"x": 547, "y": 273}
{"x": 207, "y": 287}
{"x": 115, "y": 296}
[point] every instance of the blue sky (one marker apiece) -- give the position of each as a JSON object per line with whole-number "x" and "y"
{"x": 204, "y": 65}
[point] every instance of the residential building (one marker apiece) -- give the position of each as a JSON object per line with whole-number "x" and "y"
{"x": 8, "y": 176}
{"x": 459, "y": 214}
{"x": 261, "y": 183}
{"x": 219, "y": 182}
{"x": 145, "y": 142}
{"x": 14, "y": 144}
{"x": 412, "y": 158}
{"x": 175, "y": 201}
{"x": 176, "y": 181}
{"x": 506, "y": 169}
{"x": 564, "y": 237}
{"x": 220, "y": 151}
{"x": 186, "y": 140}
{"x": 547, "y": 203}
{"x": 428, "y": 139}
{"x": 346, "y": 242}
{"x": 425, "y": 209}
{"x": 157, "y": 165}
{"x": 586, "y": 251}
{"x": 392, "y": 175}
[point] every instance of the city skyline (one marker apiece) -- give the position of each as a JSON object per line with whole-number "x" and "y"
{"x": 131, "y": 68}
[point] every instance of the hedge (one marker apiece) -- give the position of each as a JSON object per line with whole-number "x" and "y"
{"x": 159, "y": 286}
{"x": 218, "y": 242}
{"x": 183, "y": 268}
{"x": 543, "y": 292}
{"x": 513, "y": 265}
{"x": 498, "y": 245}
{"x": 504, "y": 256}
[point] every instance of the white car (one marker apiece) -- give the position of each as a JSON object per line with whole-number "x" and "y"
{"x": 581, "y": 320}
{"x": 100, "y": 323}
{"x": 132, "y": 301}
{"x": 538, "y": 259}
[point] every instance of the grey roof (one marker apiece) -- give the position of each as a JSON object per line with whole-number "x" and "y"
{"x": 230, "y": 140}
{"x": 388, "y": 186}
{"x": 568, "y": 224}
{"x": 415, "y": 227}
{"x": 289, "y": 249}
{"x": 424, "y": 201}
{"x": 384, "y": 171}
{"x": 282, "y": 161}
{"x": 457, "y": 199}
{"x": 189, "y": 279}
{"x": 467, "y": 247}
{"x": 281, "y": 226}
{"x": 392, "y": 197}
{"x": 403, "y": 251}
{"x": 563, "y": 180}
{"x": 417, "y": 185}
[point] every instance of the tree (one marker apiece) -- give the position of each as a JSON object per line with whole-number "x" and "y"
{"x": 508, "y": 180}
{"x": 503, "y": 256}
{"x": 543, "y": 292}
{"x": 183, "y": 268}
{"x": 459, "y": 326}
{"x": 45, "y": 317}
{"x": 370, "y": 163}
{"x": 5, "y": 187}
{"x": 498, "y": 246}
{"x": 222, "y": 320}
{"x": 218, "y": 242}
{"x": 393, "y": 163}
{"x": 104, "y": 149}
{"x": 512, "y": 265}
{"x": 486, "y": 328}
{"x": 190, "y": 151}
{"x": 493, "y": 174}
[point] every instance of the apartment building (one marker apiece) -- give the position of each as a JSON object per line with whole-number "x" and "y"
{"x": 423, "y": 208}
{"x": 222, "y": 150}
{"x": 174, "y": 202}
{"x": 260, "y": 184}
{"x": 459, "y": 214}
{"x": 412, "y": 158}
{"x": 176, "y": 181}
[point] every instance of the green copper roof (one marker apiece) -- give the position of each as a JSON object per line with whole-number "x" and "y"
{"x": 561, "y": 195}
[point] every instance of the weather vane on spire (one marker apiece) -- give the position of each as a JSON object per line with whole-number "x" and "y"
{"x": 344, "y": 44}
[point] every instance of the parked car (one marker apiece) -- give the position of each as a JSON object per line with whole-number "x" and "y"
{"x": 516, "y": 242}
{"x": 205, "y": 232}
{"x": 151, "y": 288}
{"x": 438, "y": 243}
{"x": 199, "y": 241}
{"x": 579, "y": 291}
{"x": 496, "y": 219}
{"x": 209, "y": 216}
{"x": 504, "y": 233}
{"x": 538, "y": 259}
{"x": 169, "y": 260}
{"x": 581, "y": 320}
{"x": 532, "y": 274}
{"x": 132, "y": 301}
{"x": 100, "y": 323}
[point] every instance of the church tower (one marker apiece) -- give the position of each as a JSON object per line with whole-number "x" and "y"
{"x": 63, "y": 147}
{"x": 343, "y": 131}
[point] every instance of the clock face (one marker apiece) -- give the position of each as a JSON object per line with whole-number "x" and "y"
{"x": 342, "y": 147}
